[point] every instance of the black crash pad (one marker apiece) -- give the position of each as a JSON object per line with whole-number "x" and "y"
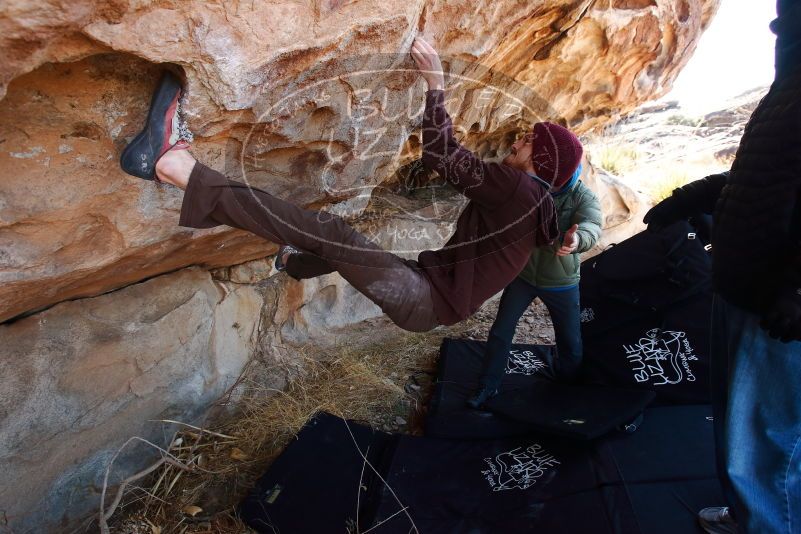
{"x": 668, "y": 468}
{"x": 671, "y": 507}
{"x": 513, "y": 485}
{"x": 672, "y": 442}
{"x": 668, "y": 354}
{"x": 571, "y": 411}
{"x": 314, "y": 485}
{"x": 527, "y": 402}
{"x": 648, "y": 272}
{"x": 459, "y": 368}
{"x": 653, "y": 481}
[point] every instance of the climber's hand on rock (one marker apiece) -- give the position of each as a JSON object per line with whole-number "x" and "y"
{"x": 428, "y": 62}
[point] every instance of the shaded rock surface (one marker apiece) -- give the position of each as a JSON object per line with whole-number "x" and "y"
{"x": 82, "y": 377}
{"x": 71, "y": 224}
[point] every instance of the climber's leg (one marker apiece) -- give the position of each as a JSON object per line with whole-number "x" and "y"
{"x": 401, "y": 290}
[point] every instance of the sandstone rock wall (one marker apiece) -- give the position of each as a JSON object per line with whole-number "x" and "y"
{"x": 272, "y": 98}
{"x": 82, "y": 377}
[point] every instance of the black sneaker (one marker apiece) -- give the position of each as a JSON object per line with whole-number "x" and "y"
{"x": 163, "y": 131}
{"x": 717, "y": 520}
{"x": 481, "y": 396}
{"x": 280, "y": 265}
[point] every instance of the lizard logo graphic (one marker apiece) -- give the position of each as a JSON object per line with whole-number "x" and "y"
{"x": 518, "y": 468}
{"x": 661, "y": 357}
{"x": 523, "y": 363}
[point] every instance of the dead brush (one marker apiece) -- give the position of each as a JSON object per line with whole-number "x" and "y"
{"x": 203, "y": 474}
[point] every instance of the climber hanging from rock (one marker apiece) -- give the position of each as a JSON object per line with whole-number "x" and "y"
{"x": 510, "y": 210}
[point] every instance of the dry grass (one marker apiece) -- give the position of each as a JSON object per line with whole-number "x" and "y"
{"x": 662, "y": 187}
{"x": 365, "y": 383}
{"x": 355, "y": 383}
{"x": 617, "y": 159}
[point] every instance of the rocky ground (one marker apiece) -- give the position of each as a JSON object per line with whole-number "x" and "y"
{"x": 534, "y": 327}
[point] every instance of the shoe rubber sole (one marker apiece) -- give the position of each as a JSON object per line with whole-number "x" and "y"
{"x": 715, "y": 524}
{"x": 140, "y": 156}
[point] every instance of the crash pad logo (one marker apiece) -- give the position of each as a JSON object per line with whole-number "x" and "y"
{"x": 523, "y": 362}
{"x": 518, "y": 468}
{"x": 587, "y": 315}
{"x": 661, "y": 357}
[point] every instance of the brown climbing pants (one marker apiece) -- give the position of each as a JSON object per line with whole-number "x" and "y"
{"x": 400, "y": 289}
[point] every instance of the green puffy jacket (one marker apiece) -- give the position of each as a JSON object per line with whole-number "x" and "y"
{"x": 545, "y": 269}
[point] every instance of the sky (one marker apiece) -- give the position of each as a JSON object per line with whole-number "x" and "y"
{"x": 734, "y": 54}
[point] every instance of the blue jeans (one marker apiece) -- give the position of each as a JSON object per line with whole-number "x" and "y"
{"x": 565, "y": 313}
{"x": 756, "y": 401}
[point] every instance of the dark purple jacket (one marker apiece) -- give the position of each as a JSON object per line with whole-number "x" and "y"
{"x": 508, "y": 215}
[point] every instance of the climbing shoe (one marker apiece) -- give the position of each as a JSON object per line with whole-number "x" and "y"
{"x": 164, "y": 130}
{"x": 286, "y": 250}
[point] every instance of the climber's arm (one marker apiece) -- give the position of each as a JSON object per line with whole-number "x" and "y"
{"x": 486, "y": 183}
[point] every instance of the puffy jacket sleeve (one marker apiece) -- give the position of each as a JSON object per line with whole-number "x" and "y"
{"x": 589, "y": 219}
{"x": 787, "y": 27}
{"x": 701, "y": 195}
{"x": 489, "y": 184}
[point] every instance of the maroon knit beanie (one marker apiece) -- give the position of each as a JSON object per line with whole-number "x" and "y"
{"x": 556, "y": 153}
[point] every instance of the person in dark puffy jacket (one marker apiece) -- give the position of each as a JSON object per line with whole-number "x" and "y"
{"x": 756, "y": 324}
